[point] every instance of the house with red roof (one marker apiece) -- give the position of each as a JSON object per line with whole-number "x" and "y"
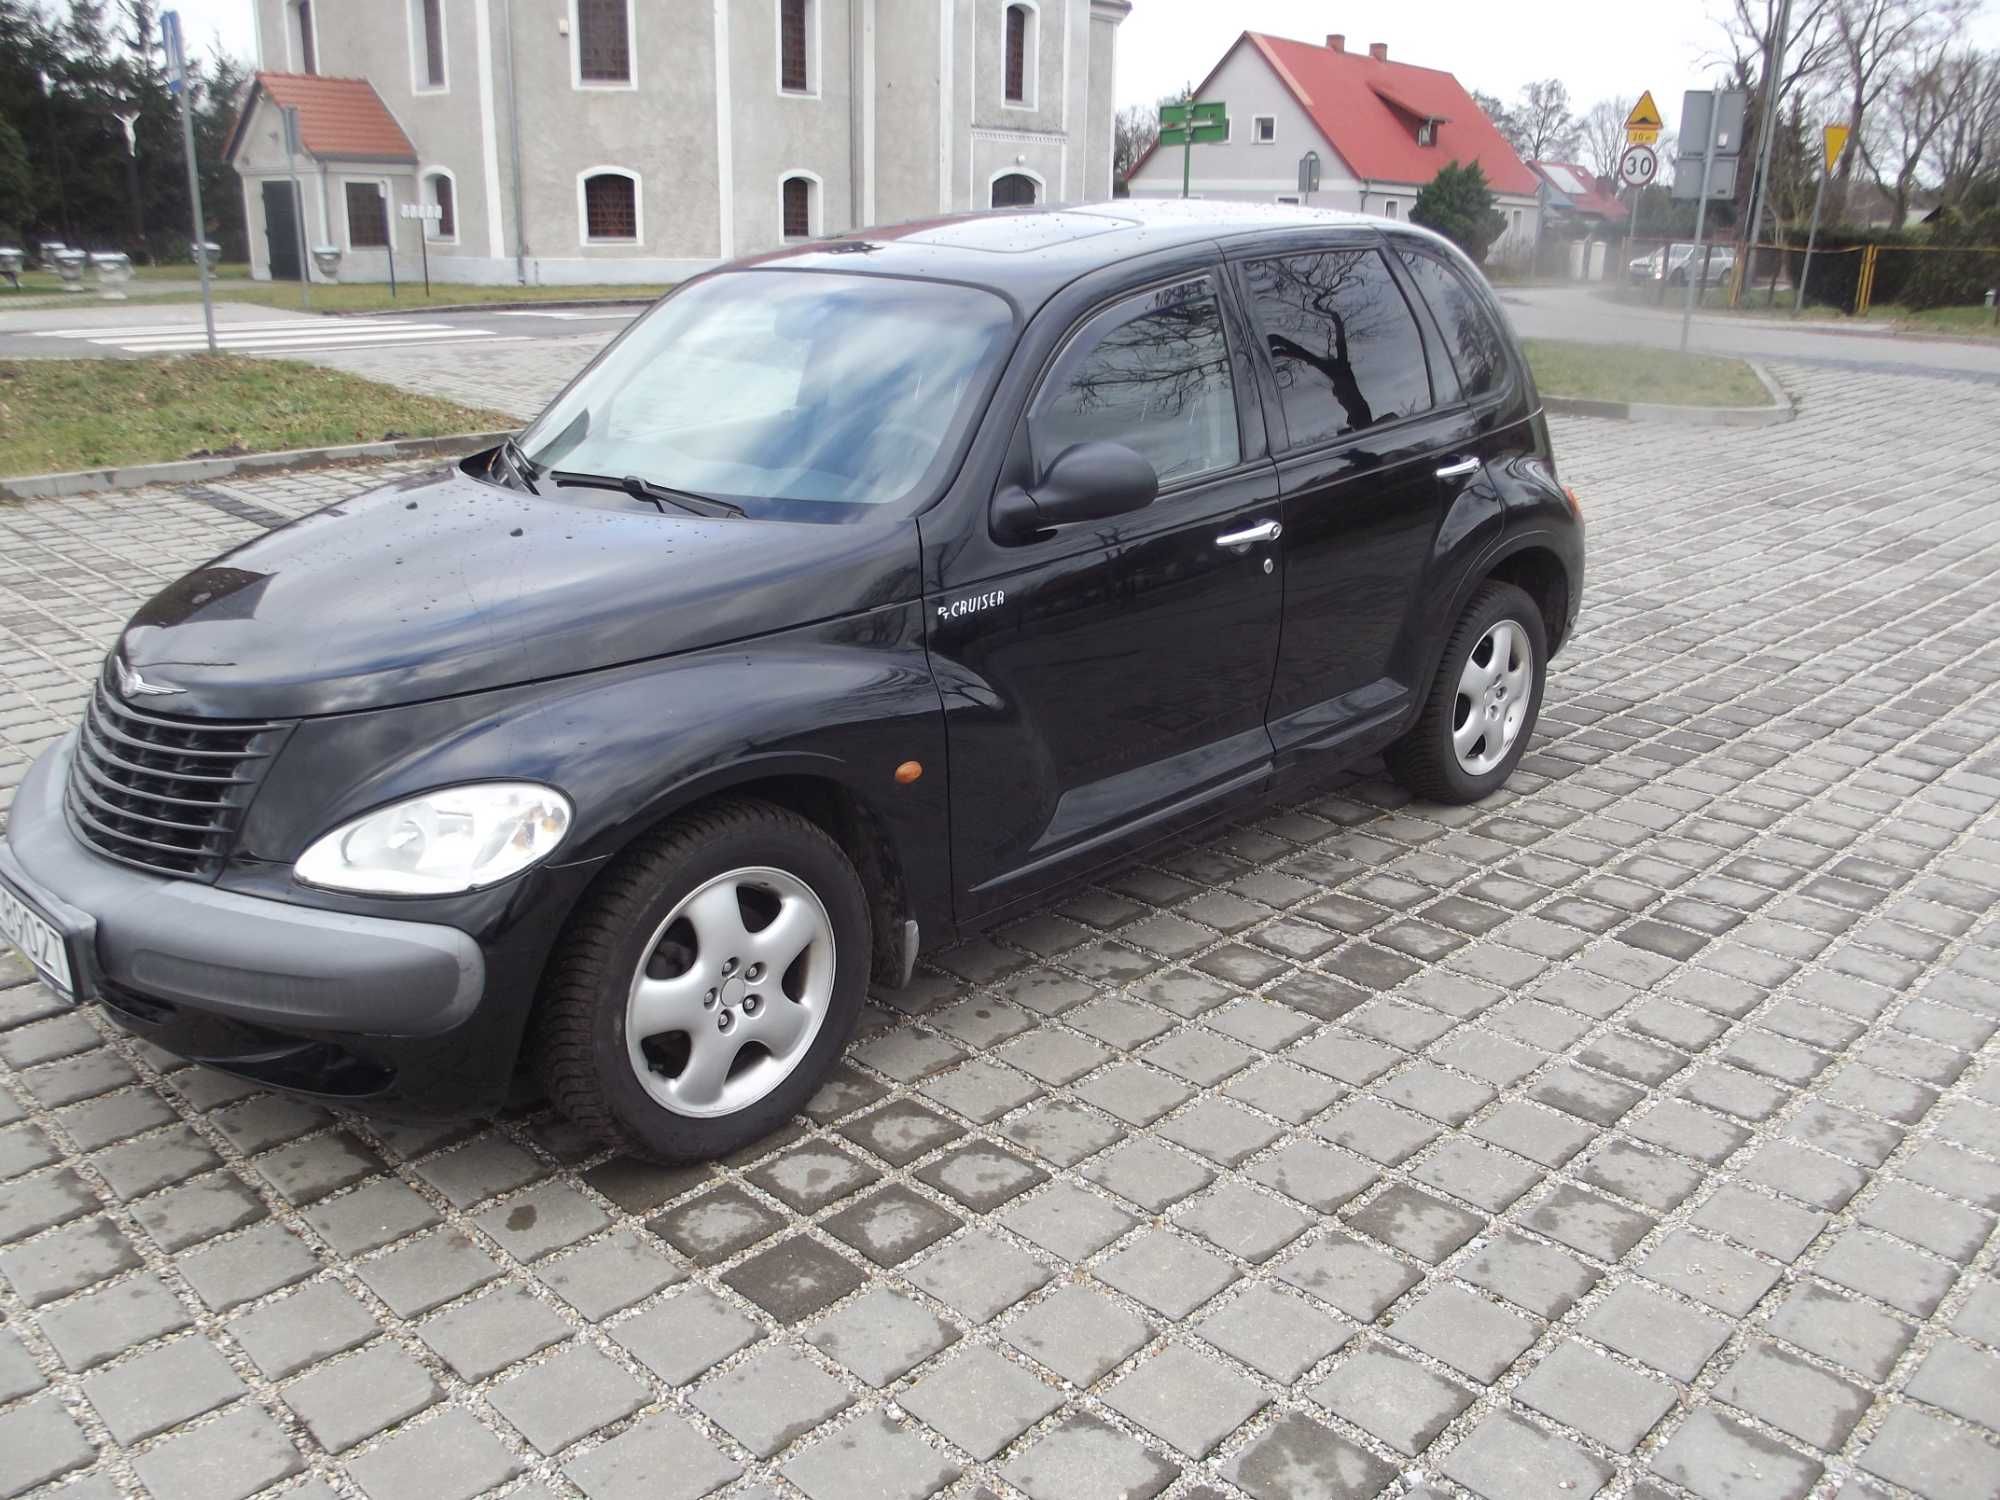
{"x": 1381, "y": 129}
{"x": 1573, "y": 192}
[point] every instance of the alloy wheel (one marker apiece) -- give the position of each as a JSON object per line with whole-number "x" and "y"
{"x": 1493, "y": 696}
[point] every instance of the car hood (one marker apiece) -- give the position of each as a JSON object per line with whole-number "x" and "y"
{"x": 441, "y": 584}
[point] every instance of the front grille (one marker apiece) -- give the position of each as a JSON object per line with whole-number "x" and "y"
{"x": 164, "y": 793}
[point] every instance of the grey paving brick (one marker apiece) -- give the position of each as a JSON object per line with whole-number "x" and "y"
{"x": 314, "y": 1323}
{"x": 229, "y": 1272}
{"x": 870, "y": 1457}
{"x": 352, "y": 1399}
{"x": 1724, "y": 1460}
{"x": 1474, "y": 1335}
{"x": 69, "y": 1259}
{"x": 161, "y": 1387}
{"x": 31, "y": 1204}
{"x": 1060, "y": 1132}
{"x": 428, "y": 1272}
{"x": 111, "y": 1319}
{"x": 1934, "y": 1457}
{"x": 446, "y": 1456}
{"x": 555, "y": 1401}
{"x": 716, "y": 1225}
{"x": 1927, "y": 1219}
{"x": 1587, "y": 1223}
{"x": 1963, "y": 1380}
{"x": 547, "y": 1217}
{"x": 812, "y": 1174}
{"x": 1599, "y": 1397}
{"x": 981, "y": 1401}
{"x": 1395, "y": 1399}
{"x": 1506, "y": 1458}
{"x": 236, "y": 1454}
{"x": 1879, "y": 1267}
{"x": 1078, "y": 1333}
{"x": 1657, "y": 1330}
{"x": 1166, "y": 1272}
{"x": 1348, "y": 1274}
{"x": 1416, "y": 1223}
{"x": 1316, "y": 1175}
{"x": 39, "y": 1442}
{"x": 1721, "y": 1276}
{"x": 1086, "y": 1458}
{"x": 1793, "y": 1395}
{"x": 1250, "y": 1225}
{"x": 1843, "y": 1329}
{"x": 19, "y": 1374}
{"x": 683, "y": 1336}
{"x": 663, "y": 1456}
{"x": 1192, "y": 1401}
{"x": 1067, "y": 1221}
{"x": 371, "y": 1216}
{"x": 199, "y": 1210}
{"x": 1529, "y": 1274}
{"x": 795, "y": 1278}
{"x": 1297, "y": 1456}
{"x": 770, "y": 1399}
{"x": 881, "y": 1335}
{"x": 979, "y": 1274}
{"x": 483, "y": 1336}
{"x": 610, "y": 1273}
{"x": 1760, "y": 1222}
{"x": 981, "y": 1176}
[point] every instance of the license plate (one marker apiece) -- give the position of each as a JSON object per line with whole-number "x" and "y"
{"x": 39, "y": 940}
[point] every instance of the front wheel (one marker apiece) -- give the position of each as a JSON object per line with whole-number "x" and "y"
{"x": 706, "y": 985}
{"x": 1482, "y": 704}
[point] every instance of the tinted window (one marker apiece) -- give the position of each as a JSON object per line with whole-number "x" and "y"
{"x": 1153, "y": 375}
{"x": 1478, "y": 348}
{"x": 1346, "y": 348}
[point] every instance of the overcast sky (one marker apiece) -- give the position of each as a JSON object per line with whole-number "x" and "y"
{"x": 1599, "y": 49}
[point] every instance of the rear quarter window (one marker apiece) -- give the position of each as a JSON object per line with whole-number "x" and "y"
{"x": 1477, "y": 346}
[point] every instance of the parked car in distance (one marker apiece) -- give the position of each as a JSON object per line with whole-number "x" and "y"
{"x": 1719, "y": 260}
{"x": 856, "y": 598}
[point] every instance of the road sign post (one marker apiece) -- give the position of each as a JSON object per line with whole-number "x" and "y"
{"x": 1833, "y": 141}
{"x": 1760, "y": 186}
{"x": 170, "y": 37}
{"x": 425, "y": 214}
{"x": 388, "y": 234}
{"x": 1717, "y": 117}
{"x": 1639, "y": 165}
{"x": 1308, "y": 176}
{"x": 290, "y": 115}
{"x": 1190, "y": 125}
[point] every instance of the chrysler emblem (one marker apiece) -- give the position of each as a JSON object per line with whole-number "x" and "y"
{"x": 132, "y": 685}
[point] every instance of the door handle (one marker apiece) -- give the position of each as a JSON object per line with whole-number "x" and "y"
{"x": 1460, "y": 469}
{"x": 1266, "y": 531}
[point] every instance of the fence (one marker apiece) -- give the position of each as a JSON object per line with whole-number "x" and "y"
{"x": 1946, "y": 283}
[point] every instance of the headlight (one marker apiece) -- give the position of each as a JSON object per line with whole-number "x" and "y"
{"x": 459, "y": 838}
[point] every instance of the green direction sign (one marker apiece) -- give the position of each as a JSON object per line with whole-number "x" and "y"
{"x": 1204, "y": 124}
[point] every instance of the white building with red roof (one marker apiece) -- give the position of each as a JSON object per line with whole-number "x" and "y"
{"x": 1382, "y": 130}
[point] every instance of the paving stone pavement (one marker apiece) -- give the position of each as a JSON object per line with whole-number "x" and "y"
{"x": 1637, "y": 1132}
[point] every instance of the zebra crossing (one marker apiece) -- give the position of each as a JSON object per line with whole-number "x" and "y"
{"x": 277, "y": 336}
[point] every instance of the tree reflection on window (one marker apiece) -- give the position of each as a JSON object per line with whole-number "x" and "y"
{"x": 1158, "y": 381}
{"x": 1342, "y": 340}
{"x": 1477, "y": 347}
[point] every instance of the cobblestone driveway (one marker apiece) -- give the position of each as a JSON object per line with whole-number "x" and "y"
{"x": 1638, "y": 1131}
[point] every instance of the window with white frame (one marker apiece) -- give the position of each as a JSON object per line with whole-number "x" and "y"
{"x": 1427, "y": 133}
{"x": 1018, "y": 49}
{"x": 427, "y": 43}
{"x": 603, "y": 41}
{"x": 610, "y": 207}
{"x": 1263, "y": 129}
{"x": 797, "y": 206}
{"x": 1389, "y": 209}
{"x": 797, "y": 37}
{"x": 442, "y": 194}
{"x": 308, "y": 53}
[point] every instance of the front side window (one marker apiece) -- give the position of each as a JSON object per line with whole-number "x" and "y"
{"x": 610, "y": 207}
{"x": 798, "y": 208}
{"x": 1154, "y": 375}
{"x": 445, "y": 225}
{"x": 799, "y": 395}
{"x": 603, "y": 41}
{"x": 1343, "y": 342}
{"x": 792, "y": 68}
{"x": 1478, "y": 348}
{"x": 1017, "y": 54}
{"x": 367, "y": 217}
{"x": 431, "y": 25}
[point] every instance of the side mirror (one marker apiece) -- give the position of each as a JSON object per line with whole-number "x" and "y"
{"x": 1086, "y": 482}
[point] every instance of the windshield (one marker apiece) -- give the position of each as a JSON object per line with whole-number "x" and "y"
{"x": 795, "y": 394}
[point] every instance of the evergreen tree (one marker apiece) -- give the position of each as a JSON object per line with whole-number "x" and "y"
{"x": 1458, "y": 204}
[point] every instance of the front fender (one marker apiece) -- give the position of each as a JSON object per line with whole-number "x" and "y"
{"x": 844, "y": 701}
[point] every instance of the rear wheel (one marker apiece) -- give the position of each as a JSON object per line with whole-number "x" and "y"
{"x": 707, "y": 984}
{"x": 1482, "y": 705}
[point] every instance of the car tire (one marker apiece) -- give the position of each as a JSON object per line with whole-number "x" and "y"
{"x": 688, "y": 933}
{"x": 1476, "y": 720}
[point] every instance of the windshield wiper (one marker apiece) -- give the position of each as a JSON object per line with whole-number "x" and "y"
{"x": 519, "y": 464}
{"x": 660, "y": 495}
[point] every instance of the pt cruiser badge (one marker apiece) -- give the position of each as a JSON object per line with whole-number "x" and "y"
{"x": 958, "y": 609}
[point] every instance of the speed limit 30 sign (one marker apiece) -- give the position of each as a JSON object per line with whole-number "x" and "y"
{"x": 1638, "y": 166}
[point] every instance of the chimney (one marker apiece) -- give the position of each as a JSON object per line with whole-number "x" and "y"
{"x": 1379, "y": 51}
{"x": 1335, "y": 42}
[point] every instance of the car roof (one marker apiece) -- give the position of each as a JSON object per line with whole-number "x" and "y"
{"x": 1031, "y": 253}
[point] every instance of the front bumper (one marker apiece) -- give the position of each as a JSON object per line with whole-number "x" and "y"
{"x": 344, "y": 1006}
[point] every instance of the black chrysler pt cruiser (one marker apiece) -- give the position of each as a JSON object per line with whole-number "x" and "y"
{"x": 855, "y": 598}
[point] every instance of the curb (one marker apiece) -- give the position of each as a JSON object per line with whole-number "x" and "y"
{"x": 1781, "y": 410}
{"x": 538, "y": 305}
{"x": 198, "y": 470}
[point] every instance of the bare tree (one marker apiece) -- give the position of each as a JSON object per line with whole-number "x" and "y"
{"x": 1545, "y": 127}
{"x": 1878, "y": 45}
{"x": 1498, "y": 113}
{"x": 1923, "y": 94}
{"x": 1134, "y": 132}
{"x": 1968, "y": 142}
{"x": 1603, "y": 134}
{"x": 1750, "y": 38}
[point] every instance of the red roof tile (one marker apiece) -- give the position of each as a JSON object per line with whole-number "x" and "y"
{"x": 1370, "y": 109}
{"x": 340, "y": 118}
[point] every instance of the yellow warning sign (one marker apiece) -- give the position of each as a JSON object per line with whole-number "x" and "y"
{"x": 1834, "y": 138}
{"x": 1644, "y": 123}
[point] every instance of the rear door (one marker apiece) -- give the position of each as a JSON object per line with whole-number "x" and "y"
{"x": 1362, "y": 425}
{"x": 1106, "y": 682}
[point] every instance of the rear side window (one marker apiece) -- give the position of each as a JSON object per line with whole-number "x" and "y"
{"x": 1343, "y": 340}
{"x": 1153, "y": 374}
{"x": 1478, "y": 348}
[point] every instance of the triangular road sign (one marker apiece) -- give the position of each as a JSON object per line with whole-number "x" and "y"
{"x": 1834, "y": 138}
{"x": 1645, "y": 114}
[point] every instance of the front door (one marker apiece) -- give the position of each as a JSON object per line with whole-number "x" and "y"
{"x": 281, "y": 231}
{"x": 1359, "y": 465}
{"x": 1106, "y": 683}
